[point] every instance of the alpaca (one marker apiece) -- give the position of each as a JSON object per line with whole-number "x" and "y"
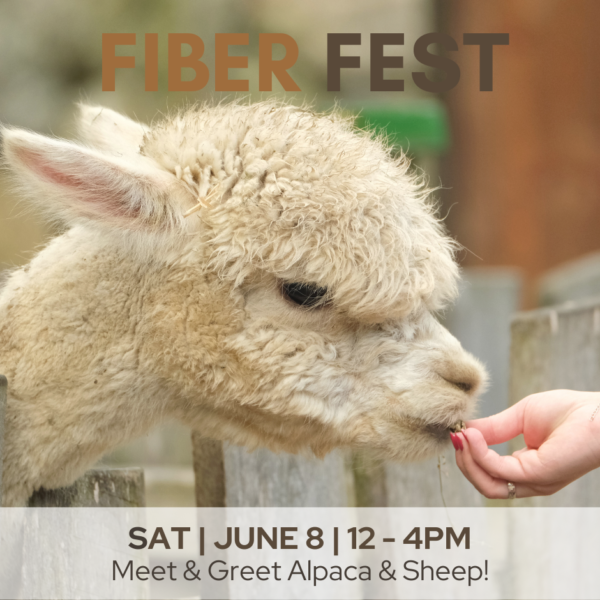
{"x": 266, "y": 275}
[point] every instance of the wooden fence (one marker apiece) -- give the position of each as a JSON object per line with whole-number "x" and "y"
{"x": 3, "y": 384}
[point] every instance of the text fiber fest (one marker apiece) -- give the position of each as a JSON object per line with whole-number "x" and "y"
{"x": 186, "y": 50}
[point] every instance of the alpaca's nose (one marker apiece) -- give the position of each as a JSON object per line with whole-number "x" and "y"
{"x": 463, "y": 372}
{"x": 453, "y": 364}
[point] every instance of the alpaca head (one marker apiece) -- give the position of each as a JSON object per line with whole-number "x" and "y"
{"x": 296, "y": 268}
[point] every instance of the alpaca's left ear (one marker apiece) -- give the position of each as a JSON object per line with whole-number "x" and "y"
{"x": 107, "y": 130}
{"x": 76, "y": 182}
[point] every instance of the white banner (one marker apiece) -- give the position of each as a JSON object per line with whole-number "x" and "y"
{"x": 324, "y": 553}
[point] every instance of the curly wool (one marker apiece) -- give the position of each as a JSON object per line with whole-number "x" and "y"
{"x": 310, "y": 198}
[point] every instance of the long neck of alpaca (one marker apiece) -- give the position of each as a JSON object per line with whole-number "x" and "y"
{"x": 72, "y": 347}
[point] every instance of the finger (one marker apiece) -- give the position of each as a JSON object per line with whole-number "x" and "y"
{"x": 496, "y": 489}
{"x": 485, "y": 484}
{"x": 460, "y": 461}
{"x": 508, "y": 468}
{"x": 501, "y": 427}
{"x": 518, "y": 453}
{"x": 493, "y": 487}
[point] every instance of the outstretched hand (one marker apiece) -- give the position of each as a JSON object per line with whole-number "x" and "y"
{"x": 563, "y": 443}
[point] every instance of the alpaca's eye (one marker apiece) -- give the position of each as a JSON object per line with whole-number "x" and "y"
{"x": 304, "y": 294}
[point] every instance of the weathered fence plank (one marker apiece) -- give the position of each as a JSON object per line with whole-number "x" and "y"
{"x": 556, "y": 348}
{"x": 98, "y": 487}
{"x": 228, "y": 475}
{"x": 60, "y": 575}
{"x": 434, "y": 482}
{"x": 3, "y": 385}
{"x": 262, "y": 478}
{"x": 209, "y": 471}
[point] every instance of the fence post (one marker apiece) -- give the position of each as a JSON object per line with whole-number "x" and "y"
{"x": 3, "y": 385}
{"x": 556, "y": 348}
{"x": 46, "y": 572}
{"x": 97, "y": 487}
{"x": 209, "y": 471}
{"x": 433, "y": 482}
{"x": 228, "y": 475}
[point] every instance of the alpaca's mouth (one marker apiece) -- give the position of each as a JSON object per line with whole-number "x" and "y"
{"x": 457, "y": 427}
{"x": 441, "y": 432}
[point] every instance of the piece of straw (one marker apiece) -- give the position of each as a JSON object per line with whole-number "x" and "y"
{"x": 202, "y": 202}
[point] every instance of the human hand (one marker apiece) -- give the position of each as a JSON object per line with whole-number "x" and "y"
{"x": 563, "y": 443}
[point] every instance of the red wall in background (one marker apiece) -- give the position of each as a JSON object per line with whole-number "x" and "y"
{"x": 524, "y": 169}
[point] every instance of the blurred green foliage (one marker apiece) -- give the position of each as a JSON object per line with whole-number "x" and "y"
{"x": 421, "y": 128}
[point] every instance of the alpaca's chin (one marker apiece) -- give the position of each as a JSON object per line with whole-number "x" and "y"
{"x": 410, "y": 439}
{"x": 424, "y": 445}
{"x": 433, "y": 438}
{"x": 439, "y": 433}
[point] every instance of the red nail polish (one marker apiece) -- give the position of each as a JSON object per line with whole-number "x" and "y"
{"x": 454, "y": 439}
{"x": 459, "y": 442}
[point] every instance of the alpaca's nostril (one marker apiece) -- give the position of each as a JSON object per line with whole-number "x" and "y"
{"x": 462, "y": 371}
{"x": 463, "y": 385}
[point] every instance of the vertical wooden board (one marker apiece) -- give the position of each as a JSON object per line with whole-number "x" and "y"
{"x": 209, "y": 471}
{"x": 69, "y": 572}
{"x": 369, "y": 477}
{"x": 228, "y": 475}
{"x": 3, "y": 385}
{"x": 530, "y": 356}
{"x": 434, "y": 482}
{"x": 66, "y": 554}
{"x": 558, "y": 348}
{"x": 98, "y": 487}
{"x": 262, "y": 478}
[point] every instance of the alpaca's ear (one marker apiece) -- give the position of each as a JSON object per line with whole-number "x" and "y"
{"x": 107, "y": 130}
{"x": 72, "y": 181}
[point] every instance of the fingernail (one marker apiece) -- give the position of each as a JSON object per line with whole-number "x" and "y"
{"x": 455, "y": 440}
{"x": 459, "y": 442}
